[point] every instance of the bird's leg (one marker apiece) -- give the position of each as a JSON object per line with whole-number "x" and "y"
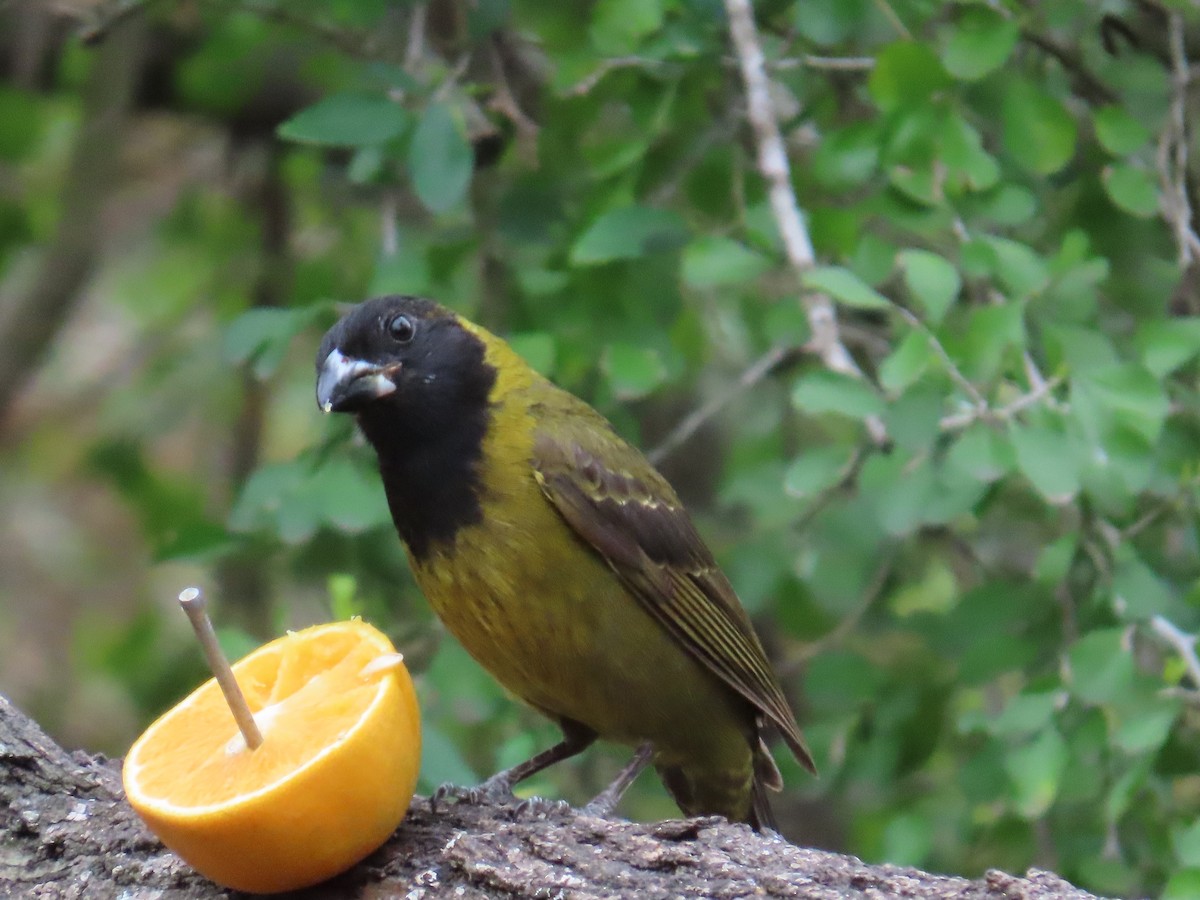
{"x": 499, "y": 788}
{"x": 606, "y": 801}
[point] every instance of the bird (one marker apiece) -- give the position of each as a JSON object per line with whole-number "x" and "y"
{"x": 560, "y": 559}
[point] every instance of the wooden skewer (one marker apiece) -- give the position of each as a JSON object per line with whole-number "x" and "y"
{"x": 193, "y": 603}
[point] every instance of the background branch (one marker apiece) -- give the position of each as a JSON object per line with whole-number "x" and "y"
{"x": 773, "y": 165}
{"x": 31, "y": 318}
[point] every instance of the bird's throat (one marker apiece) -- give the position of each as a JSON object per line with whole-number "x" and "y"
{"x": 432, "y": 478}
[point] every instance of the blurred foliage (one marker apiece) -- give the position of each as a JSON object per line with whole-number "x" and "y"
{"x": 986, "y": 625}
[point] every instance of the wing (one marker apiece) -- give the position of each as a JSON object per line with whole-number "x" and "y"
{"x": 616, "y": 502}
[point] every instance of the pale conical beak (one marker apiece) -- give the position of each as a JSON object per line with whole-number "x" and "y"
{"x": 345, "y": 384}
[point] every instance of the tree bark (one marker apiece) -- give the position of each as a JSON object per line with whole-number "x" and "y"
{"x": 30, "y": 322}
{"x": 66, "y": 831}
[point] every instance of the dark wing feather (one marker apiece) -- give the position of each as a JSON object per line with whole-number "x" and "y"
{"x": 616, "y": 502}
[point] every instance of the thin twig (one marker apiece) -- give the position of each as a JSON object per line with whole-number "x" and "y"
{"x": 1175, "y": 501}
{"x": 890, "y": 14}
{"x": 589, "y": 81}
{"x": 450, "y": 82}
{"x": 718, "y": 133}
{"x": 389, "y": 240}
{"x": 1172, "y": 156}
{"x": 752, "y": 375}
{"x": 1190, "y": 697}
{"x": 846, "y": 626}
{"x": 1043, "y": 392}
{"x": 1092, "y": 89}
{"x": 1181, "y": 642}
{"x": 414, "y": 49}
{"x": 505, "y": 102}
{"x": 827, "y": 63}
{"x": 773, "y": 166}
{"x": 354, "y": 43}
{"x": 956, "y": 375}
{"x": 102, "y": 18}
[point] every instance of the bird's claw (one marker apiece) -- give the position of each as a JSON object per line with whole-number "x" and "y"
{"x": 598, "y": 809}
{"x": 489, "y": 793}
{"x": 540, "y": 806}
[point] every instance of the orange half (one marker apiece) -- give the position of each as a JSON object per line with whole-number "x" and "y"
{"x": 331, "y": 781}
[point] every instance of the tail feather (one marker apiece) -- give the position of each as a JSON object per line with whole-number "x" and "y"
{"x": 761, "y": 817}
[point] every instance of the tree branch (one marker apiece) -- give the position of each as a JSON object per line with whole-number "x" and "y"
{"x": 1181, "y": 642}
{"x": 30, "y": 321}
{"x": 752, "y": 375}
{"x": 773, "y": 166}
{"x": 66, "y": 831}
{"x": 1172, "y": 156}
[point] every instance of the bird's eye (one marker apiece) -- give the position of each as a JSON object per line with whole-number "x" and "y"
{"x": 402, "y": 328}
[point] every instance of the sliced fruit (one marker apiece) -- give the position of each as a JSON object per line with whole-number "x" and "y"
{"x": 331, "y": 781}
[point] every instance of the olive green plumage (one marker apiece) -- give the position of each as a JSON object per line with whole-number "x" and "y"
{"x": 557, "y": 555}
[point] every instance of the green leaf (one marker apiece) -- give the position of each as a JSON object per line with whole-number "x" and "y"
{"x": 964, "y": 156}
{"x": 1132, "y": 189}
{"x": 1147, "y": 727}
{"x": 909, "y": 360}
{"x": 346, "y": 120}
{"x": 262, "y": 335}
{"x": 1021, "y": 269}
{"x": 1046, "y": 458}
{"x": 979, "y": 43}
{"x": 538, "y": 348}
{"x": 992, "y": 331}
{"x": 1166, "y": 344}
{"x": 914, "y": 418}
{"x": 1035, "y": 771}
{"x": 628, "y": 233}
{"x": 440, "y": 159}
{"x": 908, "y": 839}
{"x": 1026, "y": 713}
{"x": 1138, "y": 591}
{"x": 1101, "y": 666}
{"x": 441, "y": 761}
{"x": 1184, "y": 884}
{"x": 1039, "y": 131}
{"x": 1009, "y": 204}
{"x": 350, "y": 499}
{"x": 22, "y": 113}
{"x": 816, "y": 470}
{"x": 906, "y": 73}
{"x": 847, "y": 157}
{"x": 1054, "y": 562}
{"x": 824, "y": 391}
{"x": 633, "y": 371}
{"x": 1118, "y": 131}
{"x": 983, "y": 452}
{"x": 934, "y": 591}
{"x": 619, "y": 26}
{"x": 404, "y": 272}
{"x": 711, "y": 261}
{"x": 1124, "y": 788}
{"x": 845, "y": 287}
{"x": 342, "y": 588}
{"x": 829, "y": 22}
{"x": 1185, "y": 841}
{"x": 1132, "y": 392}
{"x": 932, "y": 281}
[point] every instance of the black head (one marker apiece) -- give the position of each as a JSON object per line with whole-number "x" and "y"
{"x": 401, "y": 353}
{"x": 418, "y": 382}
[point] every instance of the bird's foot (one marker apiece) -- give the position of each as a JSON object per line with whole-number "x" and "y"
{"x": 496, "y": 791}
{"x": 603, "y": 804}
{"x": 540, "y": 806}
{"x": 600, "y": 808}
